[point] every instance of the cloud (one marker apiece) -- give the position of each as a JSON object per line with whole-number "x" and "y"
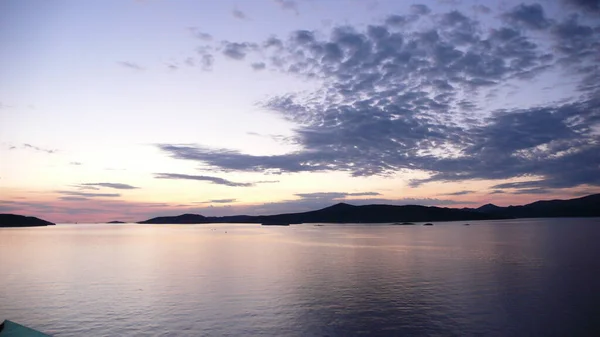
{"x": 289, "y": 5}
{"x": 529, "y": 16}
{"x": 482, "y": 9}
{"x": 118, "y": 186}
{"x": 206, "y": 62}
{"x": 333, "y": 195}
{"x": 420, "y": 9}
{"x": 237, "y": 51}
{"x": 74, "y": 198}
{"x": 199, "y": 34}
{"x": 89, "y": 195}
{"x": 363, "y": 193}
{"x": 32, "y": 147}
{"x": 238, "y": 14}
{"x": 399, "y": 95}
{"x": 172, "y": 66}
{"x": 214, "y": 180}
{"x": 75, "y": 163}
{"x": 218, "y": 201}
{"x": 266, "y": 181}
{"x": 585, "y": 6}
{"x": 533, "y": 191}
{"x": 81, "y": 187}
{"x": 190, "y": 61}
{"x": 131, "y": 65}
{"x": 29, "y": 146}
{"x": 234, "y": 160}
{"x": 258, "y": 66}
{"x": 464, "y": 192}
{"x": 522, "y": 184}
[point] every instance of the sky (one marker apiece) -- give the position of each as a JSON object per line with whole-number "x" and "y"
{"x": 125, "y": 110}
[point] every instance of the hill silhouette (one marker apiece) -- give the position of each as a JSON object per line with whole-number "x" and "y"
{"x": 180, "y": 219}
{"x": 588, "y": 206}
{"x": 341, "y": 213}
{"x": 14, "y": 220}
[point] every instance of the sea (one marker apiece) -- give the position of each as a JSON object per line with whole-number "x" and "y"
{"x": 528, "y": 277}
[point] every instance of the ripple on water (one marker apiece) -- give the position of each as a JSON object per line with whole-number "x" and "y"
{"x": 336, "y": 280}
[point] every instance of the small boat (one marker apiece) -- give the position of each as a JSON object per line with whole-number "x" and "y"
{"x": 12, "y": 329}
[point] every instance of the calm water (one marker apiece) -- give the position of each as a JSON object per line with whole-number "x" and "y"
{"x": 536, "y": 277}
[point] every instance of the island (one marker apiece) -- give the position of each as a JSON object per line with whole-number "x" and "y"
{"x": 14, "y": 220}
{"x": 340, "y": 213}
{"x": 404, "y": 215}
{"x": 116, "y": 221}
{"x": 588, "y": 206}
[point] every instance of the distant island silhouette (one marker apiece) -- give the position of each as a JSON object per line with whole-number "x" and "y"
{"x": 345, "y": 213}
{"x": 14, "y": 220}
{"x": 588, "y": 206}
{"x": 116, "y": 221}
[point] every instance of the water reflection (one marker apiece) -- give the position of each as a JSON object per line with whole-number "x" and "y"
{"x": 536, "y": 277}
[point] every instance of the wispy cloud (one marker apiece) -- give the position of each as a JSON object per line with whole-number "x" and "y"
{"x": 258, "y": 65}
{"x": 89, "y": 195}
{"x": 481, "y": 9}
{"x": 238, "y": 14}
{"x": 333, "y": 195}
{"x": 419, "y": 9}
{"x": 130, "y": 65}
{"x": 200, "y": 34}
{"x": 118, "y": 186}
{"x": 214, "y": 180}
{"x": 288, "y": 5}
{"x": 533, "y": 191}
{"x": 32, "y": 147}
{"x": 82, "y": 187}
{"x": 218, "y": 201}
{"x": 266, "y": 181}
{"x": 74, "y": 198}
{"x": 236, "y": 50}
{"x": 464, "y": 192}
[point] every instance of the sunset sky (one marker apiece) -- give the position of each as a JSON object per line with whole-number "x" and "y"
{"x": 125, "y": 110}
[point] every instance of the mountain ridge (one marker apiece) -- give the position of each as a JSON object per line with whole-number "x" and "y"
{"x": 343, "y": 213}
{"x": 588, "y": 206}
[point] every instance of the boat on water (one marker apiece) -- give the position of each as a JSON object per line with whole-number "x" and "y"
{"x": 12, "y": 329}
